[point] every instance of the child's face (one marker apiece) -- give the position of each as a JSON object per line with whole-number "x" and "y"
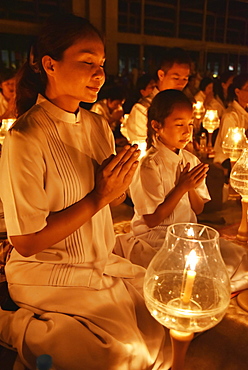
{"x": 177, "y": 130}
{"x": 149, "y": 88}
{"x": 176, "y": 77}
{"x": 8, "y": 88}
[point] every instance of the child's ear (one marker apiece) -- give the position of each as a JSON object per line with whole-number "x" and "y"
{"x": 156, "y": 125}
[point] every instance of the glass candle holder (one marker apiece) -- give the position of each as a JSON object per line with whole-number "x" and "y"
{"x": 234, "y": 143}
{"x": 186, "y": 286}
{"x": 239, "y": 182}
{"x": 210, "y": 122}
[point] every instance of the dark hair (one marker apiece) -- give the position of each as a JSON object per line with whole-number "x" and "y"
{"x": 218, "y": 89}
{"x": 161, "y": 107}
{"x": 59, "y": 32}
{"x": 116, "y": 93}
{"x": 7, "y": 74}
{"x": 174, "y": 55}
{"x": 205, "y": 82}
{"x": 238, "y": 82}
{"x": 143, "y": 81}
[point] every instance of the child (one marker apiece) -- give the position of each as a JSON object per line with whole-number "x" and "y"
{"x": 169, "y": 185}
{"x": 7, "y": 93}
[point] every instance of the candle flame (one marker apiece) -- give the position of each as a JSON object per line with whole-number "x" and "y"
{"x": 192, "y": 260}
{"x": 212, "y": 114}
{"x": 198, "y": 105}
{"x": 142, "y": 147}
{"x": 190, "y": 232}
{"x": 236, "y": 137}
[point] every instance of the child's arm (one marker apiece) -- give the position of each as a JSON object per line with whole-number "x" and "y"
{"x": 188, "y": 181}
{"x": 197, "y": 203}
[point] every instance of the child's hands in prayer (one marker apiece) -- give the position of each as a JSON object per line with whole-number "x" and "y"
{"x": 115, "y": 174}
{"x": 191, "y": 179}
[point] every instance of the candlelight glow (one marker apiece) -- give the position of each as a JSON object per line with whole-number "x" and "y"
{"x": 190, "y": 232}
{"x": 198, "y": 109}
{"x": 236, "y": 137}
{"x": 192, "y": 260}
{"x": 141, "y": 146}
{"x": 234, "y": 142}
{"x": 7, "y": 123}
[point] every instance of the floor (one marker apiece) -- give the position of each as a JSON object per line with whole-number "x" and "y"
{"x": 226, "y": 221}
{"x": 227, "y": 218}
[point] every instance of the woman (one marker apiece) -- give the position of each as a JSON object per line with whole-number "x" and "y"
{"x": 80, "y": 303}
{"x": 236, "y": 115}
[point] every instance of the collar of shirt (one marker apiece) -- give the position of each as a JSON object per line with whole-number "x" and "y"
{"x": 239, "y": 108}
{"x": 169, "y": 154}
{"x": 58, "y": 112}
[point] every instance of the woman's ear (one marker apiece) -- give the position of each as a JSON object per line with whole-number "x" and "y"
{"x": 156, "y": 125}
{"x": 48, "y": 64}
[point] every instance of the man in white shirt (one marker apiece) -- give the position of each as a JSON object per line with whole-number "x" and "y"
{"x": 173, "y": 74}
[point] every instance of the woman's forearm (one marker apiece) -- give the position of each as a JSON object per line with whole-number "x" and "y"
{"x": 59, "y": 226}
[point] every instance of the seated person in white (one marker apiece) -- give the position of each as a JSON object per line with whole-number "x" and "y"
{"x": 144, "y": 87}
{"x": 173, "y": 73}
{"x": 169, "y": 186}
{"x": 79, "y": 302}
{"x": 205, "y": 94}
{"x": 111, "y": 109}
{"x": 235, "y": 116}
{"x": 7, "y": 93}
{"x": 220, "y": 89}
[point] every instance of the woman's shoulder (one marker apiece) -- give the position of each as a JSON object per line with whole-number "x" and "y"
{"x": 152, "y": 158}
{"x": 29, "y": 119}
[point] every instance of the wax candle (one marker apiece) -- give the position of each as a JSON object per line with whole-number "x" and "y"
{"x": 190, "y": 277}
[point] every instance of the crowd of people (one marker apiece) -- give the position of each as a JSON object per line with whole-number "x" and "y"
{"x": 79, "y": 297}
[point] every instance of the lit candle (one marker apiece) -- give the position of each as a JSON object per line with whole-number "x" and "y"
{"x": 6, "y": 124}
{"x": 141, "y": 146}
{"x": 198, "y": 109}
{"x": 190, "y": 277}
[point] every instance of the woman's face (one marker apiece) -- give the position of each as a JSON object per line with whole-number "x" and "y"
{"x": 78, "y": 76}
{"x": 177, "y": 129}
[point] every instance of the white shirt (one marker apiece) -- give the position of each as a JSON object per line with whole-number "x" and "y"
{"x": 235, "y": 116}
{"x": 156, "y": 176}
{"x": 48, "y": 163}
{"x": 136, "y": 124}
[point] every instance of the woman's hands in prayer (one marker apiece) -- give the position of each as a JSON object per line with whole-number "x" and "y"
{"x": 112, "y": 179}
{"x": 115, "y": 174}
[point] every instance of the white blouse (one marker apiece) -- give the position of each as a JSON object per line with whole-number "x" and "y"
{"x": 156, "y": 176}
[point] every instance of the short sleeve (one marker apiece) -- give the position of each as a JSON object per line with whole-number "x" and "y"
{"x": 137, "y": 123}
{"x": 148, "y": 188}
{"x": 22, "y": 173}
